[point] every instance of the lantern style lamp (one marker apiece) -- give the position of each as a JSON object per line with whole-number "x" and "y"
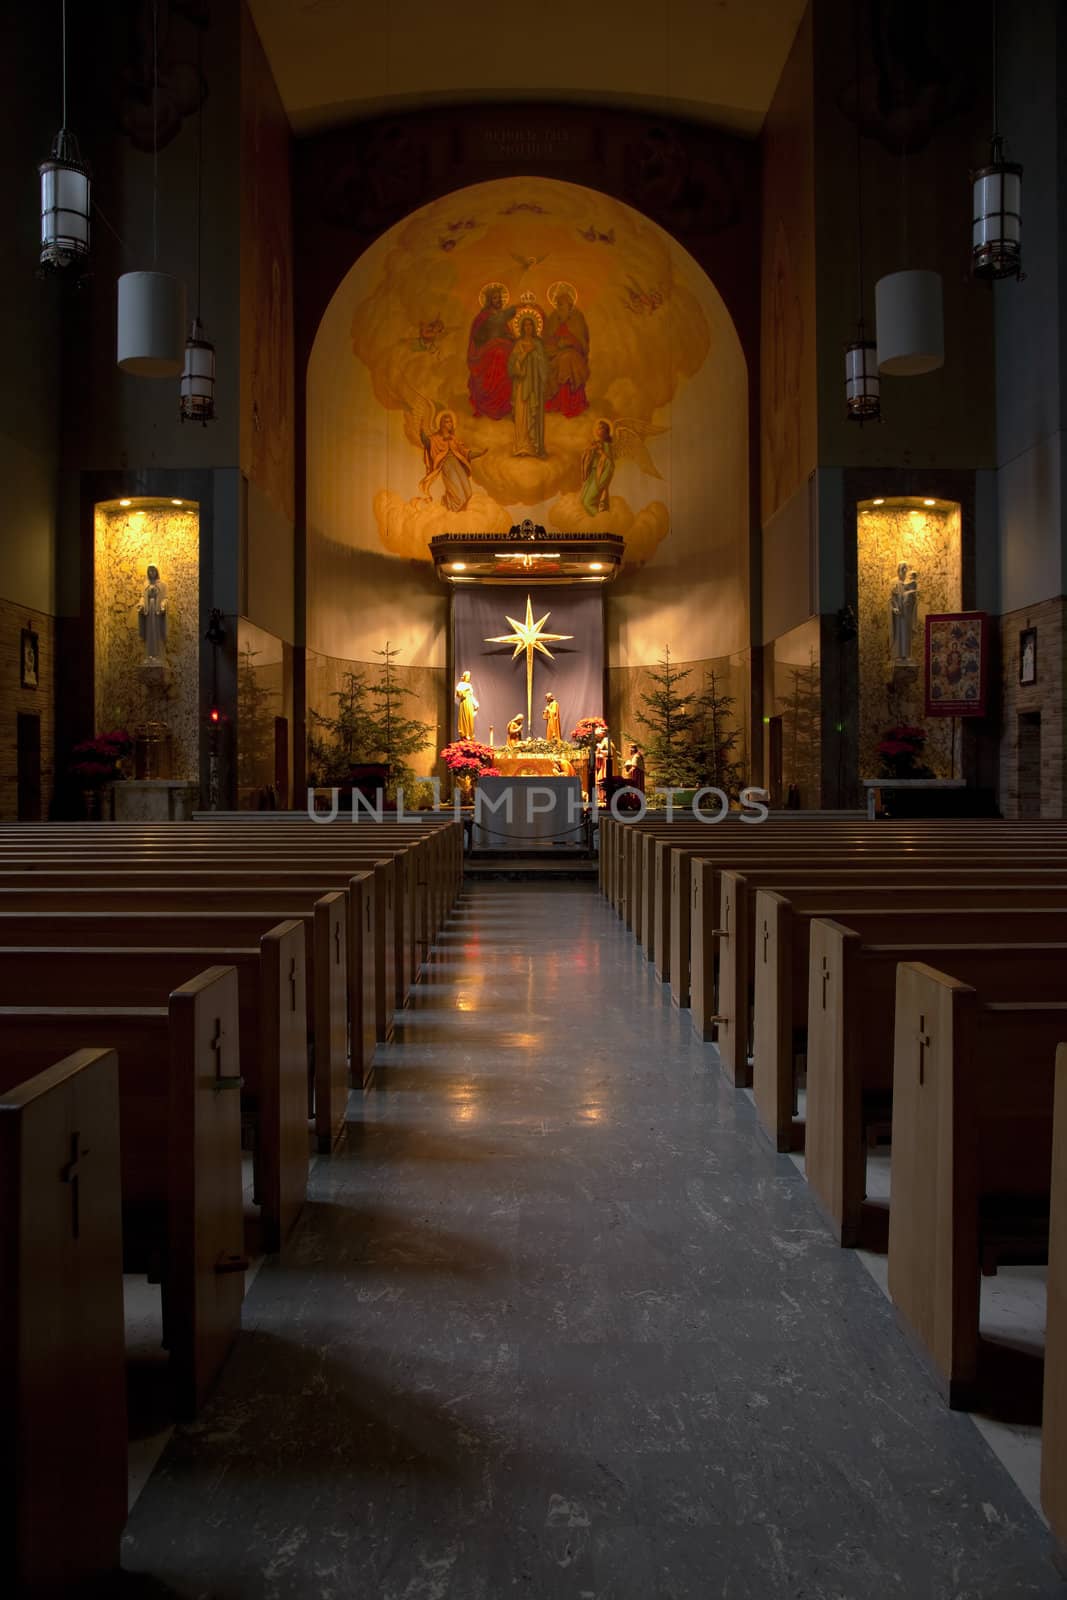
{"x": 65, "y": 192}
{"x": 996, "y": 229}
{"x": 863, "y": 389}
{"x": 197, "y": 395}
{"x": 65, "y": 205}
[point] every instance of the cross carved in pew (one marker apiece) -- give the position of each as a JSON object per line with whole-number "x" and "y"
{"x": 924, "y": 1044}
{"x": 337, "y": 944}
{"x": 292, "y": 984}
{"x": 766, "y": 938}
{"x": 222, "y": 1079}
{"x": 825, "y": 976}
{"x": 71, "y": 1174}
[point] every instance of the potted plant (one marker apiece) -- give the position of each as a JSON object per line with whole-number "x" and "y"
{"x": 467, "y": 761}
{"x": 97, "y": 764}
{"x": 901, "y": 752}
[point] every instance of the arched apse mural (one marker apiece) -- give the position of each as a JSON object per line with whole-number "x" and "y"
{"x": 527, "y": 347}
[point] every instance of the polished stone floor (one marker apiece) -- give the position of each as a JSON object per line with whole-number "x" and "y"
{"x": 557, "y": 1322}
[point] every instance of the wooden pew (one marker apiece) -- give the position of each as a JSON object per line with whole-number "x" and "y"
{"x": 180, "y": 1117}
{"x": 850, "y": 1040}
{"x": 789, "y": 974}
{"x": 972, "y": 1155}
{"x": 63, "y": 1456}
{"x": 272, "y": 991}
{"x": 1054, "y": 1411}
{"x": 737, "y": 934}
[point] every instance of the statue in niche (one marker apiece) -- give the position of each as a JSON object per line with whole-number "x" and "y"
{"x": 152, "y": 617}
{"x": 903, "y": 605}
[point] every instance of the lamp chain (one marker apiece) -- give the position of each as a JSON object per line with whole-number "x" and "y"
{"x": 155, "y": 132}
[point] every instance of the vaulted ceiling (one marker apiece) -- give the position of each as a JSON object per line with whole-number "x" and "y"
{"x": 716, "y": 60}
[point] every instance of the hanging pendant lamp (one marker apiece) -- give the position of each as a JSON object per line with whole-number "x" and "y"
{"x": 65, "y": 192}
{"x": 910, "y": 322}
{"x": 863, "y": 389}
{"x": 908, "y": 311}
{"x": 196, "y": 400}
{"x": 151, "y": 305}
{"x": 996, "y": 209}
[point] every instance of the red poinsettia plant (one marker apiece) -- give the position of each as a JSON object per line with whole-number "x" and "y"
{"x": 466, "y": 758}
{"x": 102, "y": 760}
{"x": 901, "y": 751}
{"x": 588, "y": 731}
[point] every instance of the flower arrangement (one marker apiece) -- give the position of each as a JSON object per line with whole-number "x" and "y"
{"x": 466, "y": 758}
{"x": 588, "y": 731}
{"x": 103, "y": 759}
{"x": 901, "y": 751}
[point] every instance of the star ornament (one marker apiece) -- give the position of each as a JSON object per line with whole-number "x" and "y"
{"x": 529, "y": 635}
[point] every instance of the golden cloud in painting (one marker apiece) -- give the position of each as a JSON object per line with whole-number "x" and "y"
{"x": 634, "y": 334}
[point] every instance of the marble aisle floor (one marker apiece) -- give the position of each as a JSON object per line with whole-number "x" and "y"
{"x": 557, "y": 1322}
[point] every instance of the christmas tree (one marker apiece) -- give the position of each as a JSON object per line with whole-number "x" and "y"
{"x": 669, "y": 749}
{"x": 716, "y": 739}
{"x": 397, "y": 736}
{"x": 801, "y": 732}
{"x": 335, "y": 743}
{"x": 255, "y": 725}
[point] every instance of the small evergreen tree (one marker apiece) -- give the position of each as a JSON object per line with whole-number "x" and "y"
{"x": 255, "y": 725}
{"x": 335, "y": 743}
{"x": 671, "y": 725}
{"x": 397, "y": 736}
{"x": 716, "y": 739}
{"x": 801, "y": 732}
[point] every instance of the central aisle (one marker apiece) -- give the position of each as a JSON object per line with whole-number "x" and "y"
{"x": 559, "y": 1323}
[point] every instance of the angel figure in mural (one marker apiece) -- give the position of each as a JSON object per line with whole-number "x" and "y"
{"x": 612, "y": 442}
{"x": 567, "y": 346}
{"x": 488, "y": 349}
{"x": 152, "y": 617}
{"x": 448, "y": 463}
{"x": 529, "y": 372}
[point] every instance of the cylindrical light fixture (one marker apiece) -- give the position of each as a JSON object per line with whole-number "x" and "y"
{"x": 151, "y": 324}
{"x": 996, "y": 228}
{"x": 910, "y": 323}
{"x": 197, "y": 398}
{"x": 65, "y": 204}
{"x": 863, "y": 390}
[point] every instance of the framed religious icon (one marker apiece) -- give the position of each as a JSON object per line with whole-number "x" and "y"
{"x": 1028, "y": 655}
{"x": 957, "y": 658}
{"x": 29, "y": 659}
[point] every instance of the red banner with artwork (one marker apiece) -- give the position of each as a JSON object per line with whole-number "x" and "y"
{"x": 957, "y": 651}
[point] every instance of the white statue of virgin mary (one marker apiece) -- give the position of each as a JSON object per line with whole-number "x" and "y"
{"x": 152, "y": 617}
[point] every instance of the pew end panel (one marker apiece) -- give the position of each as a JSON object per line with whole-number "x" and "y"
{"x": 1054, "y": 1416}
{"x": 772, "y": 1037}
{"x": 330, "y": 1006}
{"x": 972, "y": 1156}
{"x": 204, "y": 1284}
{"x": 835, "y": 1160}
{"x": 733, "y": 1016}
{"x": 284, "y": 1078}
{"x": 361, "y": 976}
{"x": 63, "y": 1451}
{"x": 703, "y": 926}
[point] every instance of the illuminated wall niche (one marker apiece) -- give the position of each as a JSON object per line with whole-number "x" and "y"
{"x": 925, "y": 534}
{"x": 129, "y": 536}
